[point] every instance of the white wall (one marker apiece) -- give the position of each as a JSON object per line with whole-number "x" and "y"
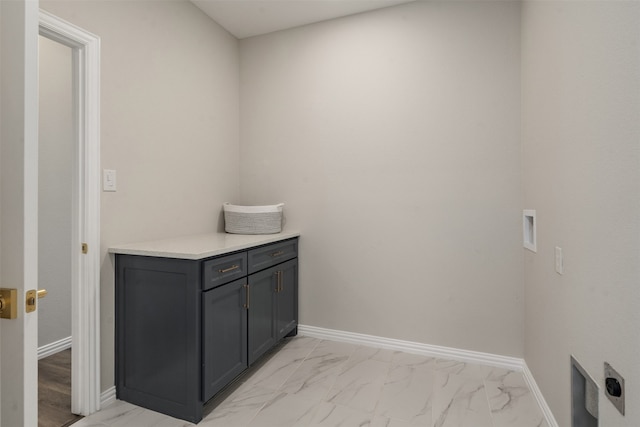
{"x": 169, "y": 126}
{"x": 393, "y": 139}
{"x": 581, "y": 159}
{"x": 56, "y": 148}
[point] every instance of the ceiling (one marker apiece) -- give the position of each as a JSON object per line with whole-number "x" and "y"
{"x": 246, "y": 18}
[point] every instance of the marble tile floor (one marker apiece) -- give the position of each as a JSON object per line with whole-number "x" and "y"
{"x": 312, "y": 382}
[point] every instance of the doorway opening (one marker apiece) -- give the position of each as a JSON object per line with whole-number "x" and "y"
{"x": 81, "y": 205}
{"x": 56, "y": 140}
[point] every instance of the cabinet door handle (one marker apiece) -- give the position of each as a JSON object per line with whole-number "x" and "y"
{"x": 246, "y": 304}
{"x": 275, "y": 254}
{"x": 226, "y": 270}
{"x": 279, "y": 287}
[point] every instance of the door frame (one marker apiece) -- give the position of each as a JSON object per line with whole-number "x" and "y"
{"x": 85, "y": 267}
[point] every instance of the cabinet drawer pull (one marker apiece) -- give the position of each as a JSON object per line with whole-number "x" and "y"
{"x": 275, "y": 254}
{"x": 246, "y": 304}
{"x": 226, "y": 270}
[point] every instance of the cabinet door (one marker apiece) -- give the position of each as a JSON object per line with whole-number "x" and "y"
{"x": 224, "y": 334}
{"x": 287, "y": 304}
{"x": 262, "y": 312}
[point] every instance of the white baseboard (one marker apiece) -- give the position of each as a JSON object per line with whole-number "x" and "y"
{"x": 54, "y": 347}
{"x": 108, "y": 397}
{"x": 512, "y": 363}
{"x": 495, "y": 360}
{"x": 533, "y": 386}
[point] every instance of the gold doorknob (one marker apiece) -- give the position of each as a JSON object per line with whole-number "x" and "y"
{"x": 31, "y": 299}
{"x": 8, "y": 303}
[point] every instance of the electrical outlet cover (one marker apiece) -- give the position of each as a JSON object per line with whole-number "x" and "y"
{"x": 618, "y": 402}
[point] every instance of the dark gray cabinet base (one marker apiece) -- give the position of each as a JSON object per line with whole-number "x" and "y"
{"x": 224, "y": 336}
{"x": 273, "y": 312}
{"x": 180, "y": 341}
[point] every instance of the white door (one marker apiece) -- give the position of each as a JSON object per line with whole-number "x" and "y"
{"x": 18, "y": 208}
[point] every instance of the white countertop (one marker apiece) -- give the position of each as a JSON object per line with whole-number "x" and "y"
{"x": 201, "y": 245}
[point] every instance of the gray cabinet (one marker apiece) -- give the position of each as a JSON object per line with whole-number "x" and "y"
{"x": 158, "y": 335}
{"x": 273, "y": 308}
{"x": 219, "y": 271}
{"x": 224, "y": 336}
{"x": 270, "y": 255}
{"x": 262, "y": 312}
{"x": 287, "y": 299}
{"x": 187, "y": 328}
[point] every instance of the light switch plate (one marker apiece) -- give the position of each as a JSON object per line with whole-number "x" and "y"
{"x": 108, "y": 180}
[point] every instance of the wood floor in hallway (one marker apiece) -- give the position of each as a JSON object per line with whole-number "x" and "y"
{"x": 54, "y": 391}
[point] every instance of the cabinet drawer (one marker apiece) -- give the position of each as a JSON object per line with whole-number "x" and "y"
{"x": 276, "y": 253}
{"x": 219, "y": 271}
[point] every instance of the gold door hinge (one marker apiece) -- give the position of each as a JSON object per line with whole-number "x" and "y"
{"x": 85, "y": 248}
